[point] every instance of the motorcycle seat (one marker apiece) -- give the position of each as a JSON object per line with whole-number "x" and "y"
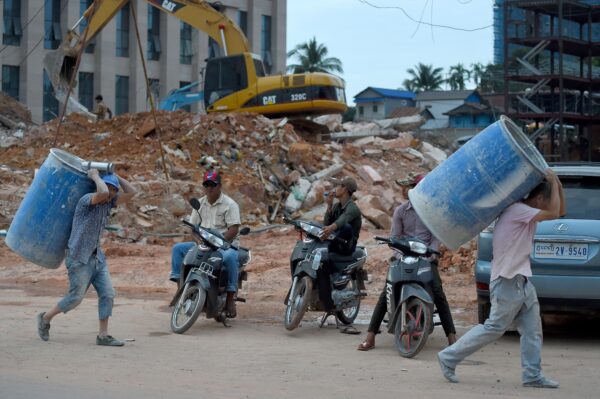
{"x": 358, "y": 253}
{"x": 341, "y": 262}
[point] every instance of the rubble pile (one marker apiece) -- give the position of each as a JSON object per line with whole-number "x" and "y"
{"x": 266, "y": 165}
{"x": 459, "y": 261}
{"x": 14, "y": 119}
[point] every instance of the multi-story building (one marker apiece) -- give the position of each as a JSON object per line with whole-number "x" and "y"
{"x": 111, "y": 65}
{"x": 520, "y": 14}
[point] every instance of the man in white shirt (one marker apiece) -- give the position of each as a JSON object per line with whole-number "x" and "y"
{"x": 220, "y": 212}
{"x": 512, "y": 296}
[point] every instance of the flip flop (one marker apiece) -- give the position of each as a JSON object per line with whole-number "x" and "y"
{"x": 364, "y": 346}
{"x": 350, "y": 330}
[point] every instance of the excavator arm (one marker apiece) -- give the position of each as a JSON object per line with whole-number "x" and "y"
{"x": 200, "y": 14}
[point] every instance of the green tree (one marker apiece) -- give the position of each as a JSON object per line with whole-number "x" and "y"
{"x": 477, "y": 72}
{"x": 312, "y": 57}
{"x": 458, "y": 76}
{"x": 425, "y": 77}
{"x": 492, "y": 80}
{"x": 408, "y": 85}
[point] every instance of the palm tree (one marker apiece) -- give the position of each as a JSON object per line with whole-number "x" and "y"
{"x": 425, "y": 77}
{"x": 458, "y": 75}
{"x": 477, "y": 72}
{"x": 312, "y": 57}
{"x": 408, "y": 85}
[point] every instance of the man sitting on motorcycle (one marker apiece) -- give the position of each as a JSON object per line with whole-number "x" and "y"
{"x": 220, "y": 212}
{"x": 344, "y": 220}
{"x": 406, "y": 223}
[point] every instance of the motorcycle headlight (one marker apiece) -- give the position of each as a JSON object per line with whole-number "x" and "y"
{"x": 213, "y": 239}
{"x": 418, "y": 247}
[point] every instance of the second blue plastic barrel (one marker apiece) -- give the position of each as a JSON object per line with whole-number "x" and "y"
{"x": 41, "y": 227}
{"x": 465, "y": 193}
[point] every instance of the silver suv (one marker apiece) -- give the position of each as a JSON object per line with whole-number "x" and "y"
{"x": 565, "y": 259}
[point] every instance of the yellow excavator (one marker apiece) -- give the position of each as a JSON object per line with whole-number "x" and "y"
{"x": 233, "y": 82}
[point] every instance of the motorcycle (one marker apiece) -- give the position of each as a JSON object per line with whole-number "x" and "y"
{"x": 347, "y": 279}
{"x": 410, "y": 306}
{"x": 203, "y": 278}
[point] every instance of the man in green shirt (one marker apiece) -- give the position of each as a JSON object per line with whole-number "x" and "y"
{"x": 343, "y": 219}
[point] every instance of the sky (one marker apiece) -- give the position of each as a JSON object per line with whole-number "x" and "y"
{"x": 377, "y": 46}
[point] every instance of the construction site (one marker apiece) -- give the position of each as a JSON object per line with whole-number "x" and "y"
{"x": 277, "y": 142}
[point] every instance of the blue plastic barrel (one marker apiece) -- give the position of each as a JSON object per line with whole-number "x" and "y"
{"x": 465, "y": 193}
{"x": 41, "y": 227}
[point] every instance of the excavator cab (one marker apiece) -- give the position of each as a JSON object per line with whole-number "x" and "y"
{"x": 224, "y": 76}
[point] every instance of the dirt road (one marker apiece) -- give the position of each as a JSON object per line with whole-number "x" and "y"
{"x": 252, "y": 359}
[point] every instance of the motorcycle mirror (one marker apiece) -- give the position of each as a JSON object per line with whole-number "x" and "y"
{"x": 244, "y": 231}
{"x": 195, "y": 203}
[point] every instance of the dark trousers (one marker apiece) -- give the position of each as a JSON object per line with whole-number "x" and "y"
{"x": 439, "y": 299}
{"x": 324, "y": 273}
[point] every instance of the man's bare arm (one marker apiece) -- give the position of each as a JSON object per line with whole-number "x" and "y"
{"x": 128, "y": 191}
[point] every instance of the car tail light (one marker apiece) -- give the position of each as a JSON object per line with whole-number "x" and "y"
{"x": 483, "y": 286}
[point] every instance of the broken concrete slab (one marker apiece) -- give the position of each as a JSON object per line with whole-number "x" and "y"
{"x": 370, "y": 175}
{"x": 328, "y": 172}
{"x": 379, "y": 218}
{"x": 433, "y": 154}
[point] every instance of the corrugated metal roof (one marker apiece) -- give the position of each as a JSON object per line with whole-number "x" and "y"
{"x": 390, "y": 93}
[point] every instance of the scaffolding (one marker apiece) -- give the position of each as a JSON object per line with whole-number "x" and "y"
{"x": 552, "y": 75}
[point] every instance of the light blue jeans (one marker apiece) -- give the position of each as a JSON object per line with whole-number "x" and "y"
{"x": 513, "y": 301}
{"x": 231, "y": 263}
{"x": 81, "y": 276}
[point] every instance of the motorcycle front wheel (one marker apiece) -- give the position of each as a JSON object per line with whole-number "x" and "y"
{"x": 298, "y": 303}
{"x": 417, "y": 323}
{"x": 188, "y": 307}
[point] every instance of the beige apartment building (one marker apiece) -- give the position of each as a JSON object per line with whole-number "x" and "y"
{"x": 111, "y": 65}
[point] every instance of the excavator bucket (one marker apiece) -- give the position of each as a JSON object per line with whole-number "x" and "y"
{"x": 60, "y": 67}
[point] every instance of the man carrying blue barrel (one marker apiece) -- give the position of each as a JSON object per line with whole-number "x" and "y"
{"x": 86, "y": 264}
{"x": 513, "y": 297}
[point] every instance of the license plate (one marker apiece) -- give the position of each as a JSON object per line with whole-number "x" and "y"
{"x": 555, "y": 250}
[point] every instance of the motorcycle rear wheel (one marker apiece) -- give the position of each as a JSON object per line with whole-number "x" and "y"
{"x": 298, "y": 303}
{"x": 348, "y": 315}
{"x": 418, "y": 320}
{"x": 188, "y": 307}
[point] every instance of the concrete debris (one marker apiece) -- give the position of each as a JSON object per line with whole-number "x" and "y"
{"x": 333, "y": 122}
{"x": 298, "y": 193}
{"x": 178, "y": 153}
{"x": 433, "y": 154}
{"x": 400, "y": 123}
{"x": 269, "y": 167}
{"x": 370, "y": 175}
{"x": 328, "y": 172}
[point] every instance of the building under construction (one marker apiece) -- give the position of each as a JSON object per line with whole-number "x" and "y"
{"x": 552, "y": 74}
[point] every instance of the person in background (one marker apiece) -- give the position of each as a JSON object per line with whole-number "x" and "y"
{"x": 217, "y": 211}
{"x": 85, "y": 261}
{"x": 345, "y": 220}
{"x": 102, "y": 111}
{"x": 406, "y": 223}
